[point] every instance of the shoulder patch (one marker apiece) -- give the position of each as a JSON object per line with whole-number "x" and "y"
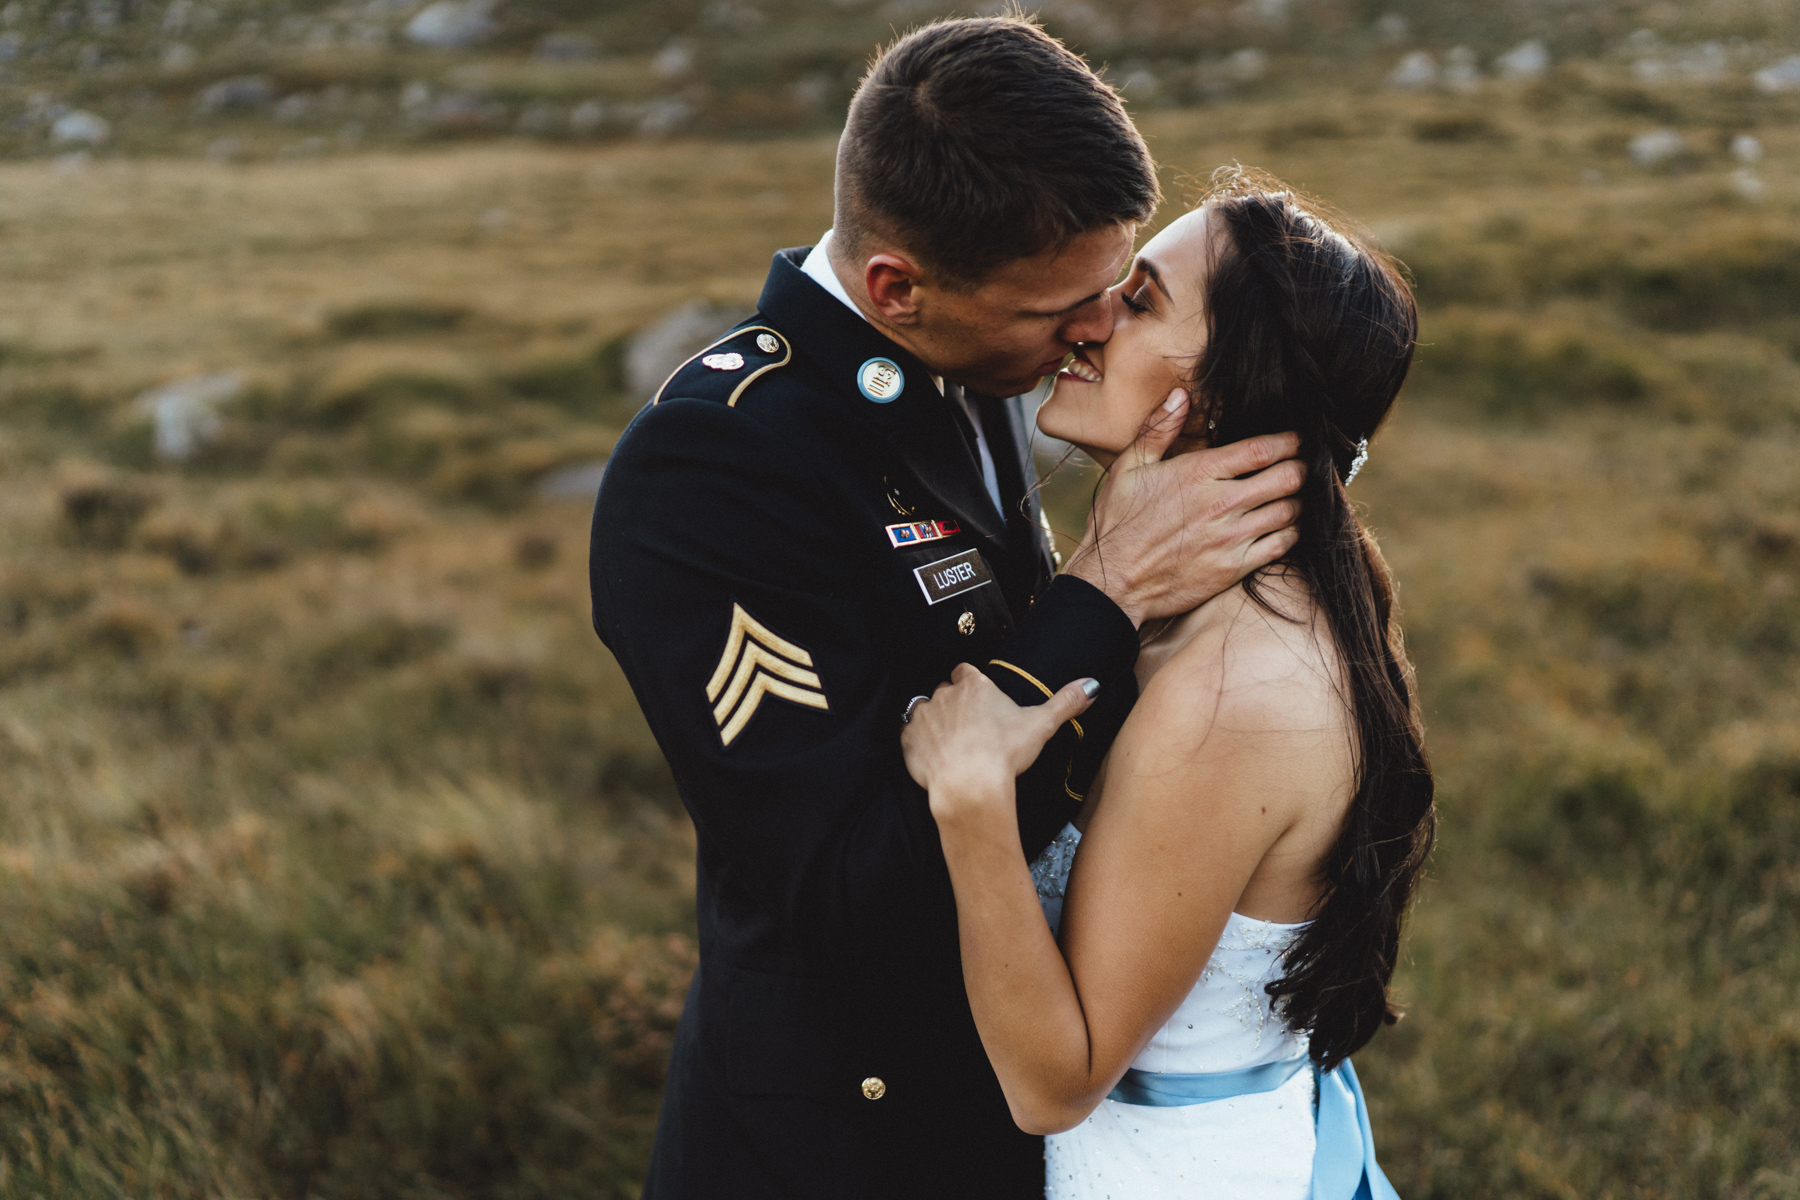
{"x": 758, "y": 662}
{"x": 724, "y": 369}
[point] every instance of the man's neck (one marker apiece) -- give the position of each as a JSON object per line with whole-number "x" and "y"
{"x": 854, "y": 291}
{"x": 833, "y": 274}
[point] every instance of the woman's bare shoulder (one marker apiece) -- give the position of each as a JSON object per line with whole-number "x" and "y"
{"x": 1262, "y": 660}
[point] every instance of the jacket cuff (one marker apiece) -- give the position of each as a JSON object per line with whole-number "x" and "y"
{"x": 1072, "y": 631}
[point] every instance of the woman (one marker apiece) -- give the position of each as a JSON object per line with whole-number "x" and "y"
{"x": 1230, "y": 923}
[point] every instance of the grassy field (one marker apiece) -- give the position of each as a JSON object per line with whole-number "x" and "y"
{"x": 336, "y": 861}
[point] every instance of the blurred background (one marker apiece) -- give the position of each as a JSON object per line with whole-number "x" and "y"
{"x": 335, "y": 860}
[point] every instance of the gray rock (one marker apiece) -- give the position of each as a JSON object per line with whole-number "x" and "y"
{"x": 541, "y": 119}
{"x": 726, "y": 17}
{"x": 1704, "y": 63}
{"x": 567, "y": 47}
{"x": 452, "y": 24}
{"x": 664, "y": 117}
{"x": 812, "y": 91}
{"x": 1527, "y": 60}
{"x": 1461, "y": 71}
{"x": 1140, "y": 83}
{"x": 1657, "y": 147}
{"x": 367, "y": 34}
{"x": 1784, "y": 76}
{"x": 295, "y": 108}
{"x": 1416, "y": 70}
{"x": 654, "y": 351}
{"x": 1245, "y": 66}
{"x": 240, "y": 93}
{"x": 1218, "y": 77}
{"x": 674, "y": 61}
{"x": 904, "y": 10}
{"x": 1090, "y": 24}
{"x": 577, "y": 481}
{"x": 308, "y": 147}
{"x": 586, "y": 118}
{"x": 185, "y": 414}
{"x": 79, "y": 128}
{"x": 228, "y": 149}
{"x": 464, "y": 112}
{"x": 1268, "y": 14}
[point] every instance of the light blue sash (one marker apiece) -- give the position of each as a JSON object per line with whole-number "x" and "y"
{"x": 1344, "y": 1166}
{"x": 1173, "y": 1091}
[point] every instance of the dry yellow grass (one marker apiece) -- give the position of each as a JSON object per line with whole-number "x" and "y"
{"x": 164, "y": 265}
{"x": 337, "y": 861}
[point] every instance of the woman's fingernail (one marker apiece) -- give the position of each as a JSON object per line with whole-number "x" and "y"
{"x": 1091, "y": 687}
{"x": 1176, "y": 399}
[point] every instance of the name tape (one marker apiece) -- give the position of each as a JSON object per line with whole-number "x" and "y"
{"x": 952, "y": 576}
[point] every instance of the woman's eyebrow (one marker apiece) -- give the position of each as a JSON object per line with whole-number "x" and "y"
{"x": 1155, "y": 277}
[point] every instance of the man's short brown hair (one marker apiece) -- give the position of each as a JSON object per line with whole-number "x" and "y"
{"x": 977, "y": 141}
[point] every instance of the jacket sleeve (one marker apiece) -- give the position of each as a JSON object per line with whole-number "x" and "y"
{"x": 1072, "y": 631}
{"x": 718, "y": 583}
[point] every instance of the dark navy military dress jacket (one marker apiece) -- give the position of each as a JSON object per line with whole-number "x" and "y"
{"x": 790, "y": 541}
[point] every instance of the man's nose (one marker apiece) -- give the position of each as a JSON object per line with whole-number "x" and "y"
{"x": 1092, "y": 322}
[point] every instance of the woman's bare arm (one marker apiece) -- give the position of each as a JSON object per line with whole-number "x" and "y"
{"x": 1219, "y": 764}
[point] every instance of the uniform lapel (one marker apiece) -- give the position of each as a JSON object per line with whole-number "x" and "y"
{"x": 918, "y": 423}
{"x": 935, "y": 452}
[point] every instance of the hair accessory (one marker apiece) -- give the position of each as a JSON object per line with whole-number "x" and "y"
{"x": 1356, "y": 464}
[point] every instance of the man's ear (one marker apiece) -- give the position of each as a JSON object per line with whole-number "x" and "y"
{"x": 893, "y": 282}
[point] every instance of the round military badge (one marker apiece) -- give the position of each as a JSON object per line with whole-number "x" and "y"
{"x": 724, "y": 362}
{"x": 880, "y": 379}
{"x": 767, "y": 343}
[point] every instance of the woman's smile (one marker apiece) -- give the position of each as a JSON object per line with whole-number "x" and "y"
{"x": 1106, "y": 390}
{"x": 1080, "y": 368}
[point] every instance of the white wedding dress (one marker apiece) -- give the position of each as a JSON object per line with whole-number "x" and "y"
{"x": 1257, "y": 1146}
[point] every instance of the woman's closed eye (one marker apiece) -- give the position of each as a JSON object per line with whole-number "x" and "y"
{"x": 1133, "y": 302}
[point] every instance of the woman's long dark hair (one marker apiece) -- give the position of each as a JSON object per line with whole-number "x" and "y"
{"x": 1311, "y": 329}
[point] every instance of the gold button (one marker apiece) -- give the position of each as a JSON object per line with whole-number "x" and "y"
{"x": 965, "y": 624}
{"x": 873, "y": 1088}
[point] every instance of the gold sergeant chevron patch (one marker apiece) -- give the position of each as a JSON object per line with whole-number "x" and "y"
{"x": 758, "y": 662}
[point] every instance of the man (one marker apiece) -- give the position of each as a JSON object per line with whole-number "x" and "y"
{"x": 813, "y": 522}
